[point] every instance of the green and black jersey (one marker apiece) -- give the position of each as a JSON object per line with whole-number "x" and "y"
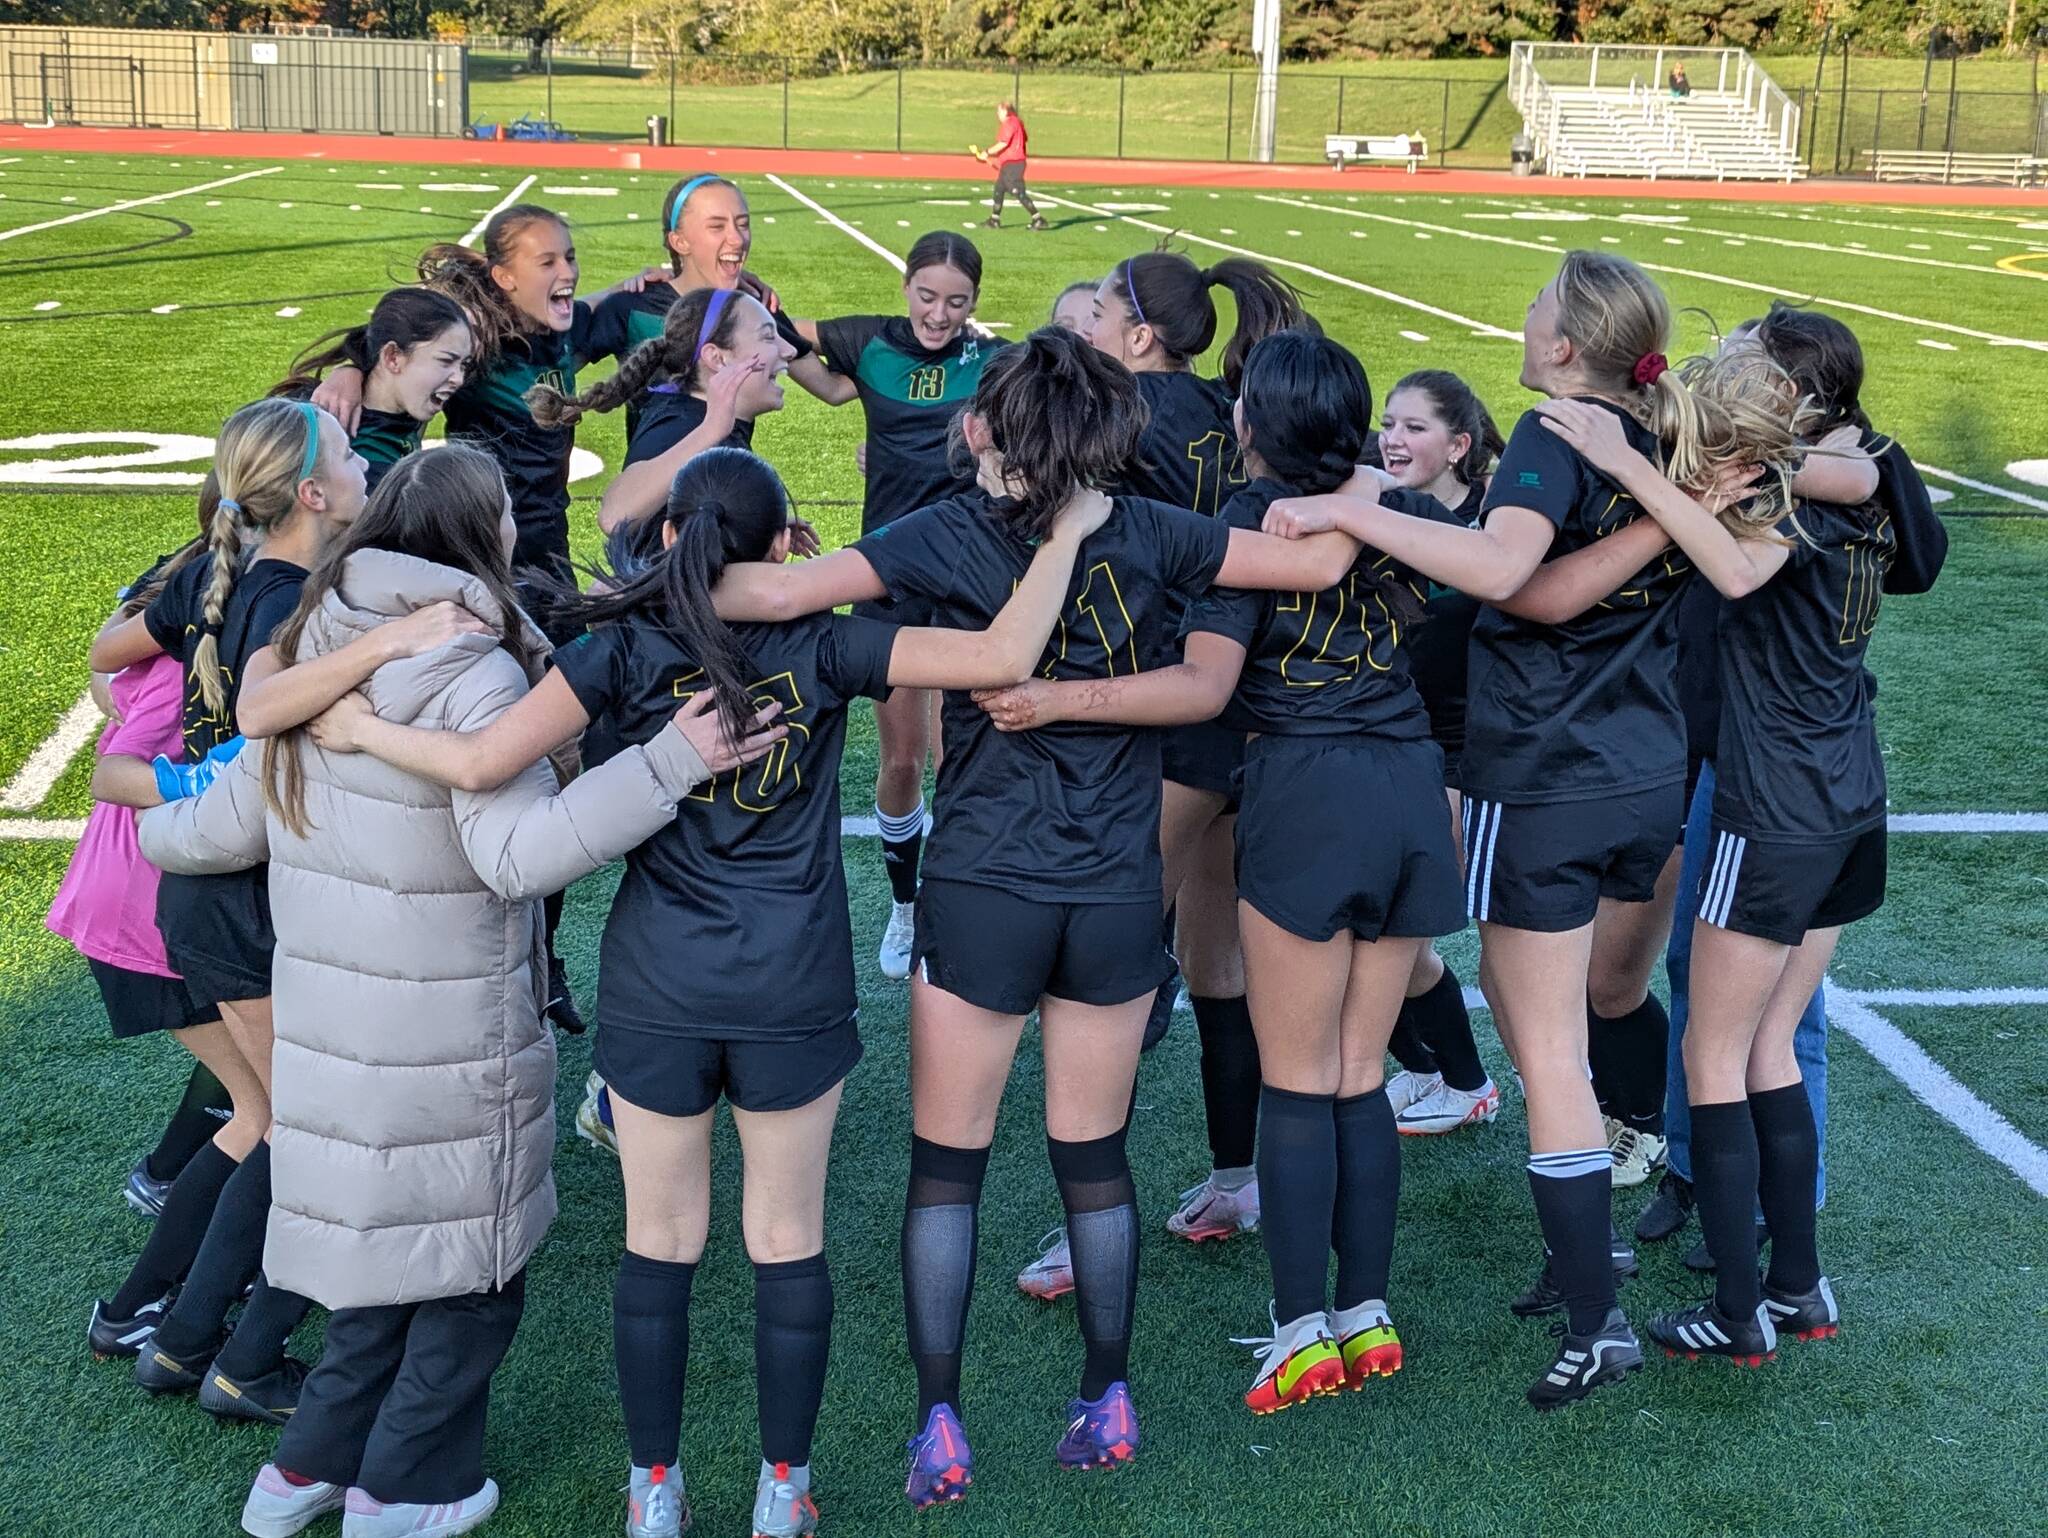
{"x": 383, "y": 438}
{"x": 910, "y": 395}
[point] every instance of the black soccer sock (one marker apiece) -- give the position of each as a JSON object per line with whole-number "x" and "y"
{"x": 1788, "y": 1149}
{"x": 792, "y": 1339}
{"x": 1230, "y": 1080}
{"x": 1445, "y": 1026}
{"x": 178, "y": 1233}
{"x": 1102, "y": 1234}
{"x": 1573, "y": 1191}
{"x": 1407, "y": 1045}
{"x": 551, "y": 916}
{"x": 201, "y": 1112}
{"x": 651, "y": 1343}
{"x": 1368, "y": 1192}
{"x": 227, "y": 1262}
{"x": 1628, "y": 1055}
{"x": 1600, "y": 1064}
{"x": 1297, "y": 1196}
{"x": 1724, "y": 1184}
{"x": 941, "y": 1227}
{"x": 266, "y": 1325}
{"x": 902, "y": 838}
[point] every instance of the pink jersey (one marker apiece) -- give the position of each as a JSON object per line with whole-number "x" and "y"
{"x": 106, "y": 904}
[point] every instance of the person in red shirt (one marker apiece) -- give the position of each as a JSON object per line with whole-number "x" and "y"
{"x": 1008, "y": 156}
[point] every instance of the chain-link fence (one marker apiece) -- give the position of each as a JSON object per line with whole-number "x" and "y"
{"x": 1842, "y": 130}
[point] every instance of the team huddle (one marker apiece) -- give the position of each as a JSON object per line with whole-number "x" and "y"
{"x": 1234, "y": 685}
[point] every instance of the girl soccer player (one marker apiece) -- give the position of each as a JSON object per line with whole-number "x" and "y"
{"x": 1575, "y": 756}
{"x": 1074, "y": 309}
{"x": 412, "y": 356}
{"x": 287, "y": 480}
{"x": 704, "y": 929}
{"x": 911, "y": 373}
{"x": 1043, "y": 880}
{"x": 415, "y": 1080}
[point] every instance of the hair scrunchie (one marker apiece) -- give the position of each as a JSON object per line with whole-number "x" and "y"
{"x": 1649, "y": 366}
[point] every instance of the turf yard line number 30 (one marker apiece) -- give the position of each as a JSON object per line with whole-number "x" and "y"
{"x": 145, "y": 459}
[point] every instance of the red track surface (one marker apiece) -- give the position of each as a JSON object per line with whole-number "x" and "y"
{"x": 1109, "y": 173}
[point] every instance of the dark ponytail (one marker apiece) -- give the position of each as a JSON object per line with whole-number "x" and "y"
{"x": 670, "y": 356}
{"x": 1062, "y": 416}
{"x": 1824, "y": 359}
{"x": 725, "y": 505}
{"x": 1461, "y": 411}
{"x": 1169, "y": 293}
{"x": 1306, "y": 402}
{"x": 405, "y": 318}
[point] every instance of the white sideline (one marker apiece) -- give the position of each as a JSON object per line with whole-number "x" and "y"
{"x": 25, "y": 792}
{"x": 838, "y": 223}
{"x": 1996, "y": 338}
{"x": 497, "y": 208}
{"x": 122, "y": 207}
{"x": 1947, "y": 998}
{"x": 1936, "y": 1088}
{"x": 1997, "y": 491}
{"x": 1967, "y": 822}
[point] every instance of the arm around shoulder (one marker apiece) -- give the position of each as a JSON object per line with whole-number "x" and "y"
{"x": 224, "y": 829}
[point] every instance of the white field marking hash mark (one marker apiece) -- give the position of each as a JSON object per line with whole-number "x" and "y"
{"x": 25, "y": 792}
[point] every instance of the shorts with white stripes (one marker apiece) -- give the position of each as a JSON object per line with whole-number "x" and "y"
{"x": 1546, "y": 867}
{"x": 1778, "y": 891}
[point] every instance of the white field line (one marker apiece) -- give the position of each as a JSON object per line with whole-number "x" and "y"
{"x": 1914, "y": 229}
{"x": 1968, "y": 822}
{"x": 497, "y": 208}
{"x": 121, "y": 207}
{"x": 37, "y": 829}
{"x": 25, "y": 792}
{"x": 1996, "y": 338}
{"x": 1946, "y": 998}
{"x": 1997, "y": 491}
{"x": 1937, "y": 1089}
{"x": 1982, "y": 268}
{"x": 1480, "y": 326}
{"x": 860, "y": 235}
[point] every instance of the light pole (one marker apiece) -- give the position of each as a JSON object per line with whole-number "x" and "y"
{"x": 1266, "y": 103}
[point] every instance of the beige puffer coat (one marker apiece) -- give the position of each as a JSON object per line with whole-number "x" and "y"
{"x": 414, "y": 1077}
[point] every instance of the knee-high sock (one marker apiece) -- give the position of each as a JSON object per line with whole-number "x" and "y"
{"x": 1444, "y": 1026}
{"x": 1297, "y": 1196}
{"x": 1102, "y": 1235}
{"x": 179, "y": 1232}
{"x": 1788, "y": 1154}
{"x": 1724, "y": 1183}
{"x": 228, "y": 1260}
{"x": 1368, "y": 1194}
{"x": 792, "y": 1340}
{"x": 651, "y": 1341}
{"x": 201, "y": 1111}
{"x": 1230, "y": 1080}
{"x": 268, "y": 1319}
{"x": 1573, "y": 1191}
{"x": 941, "y": 1229}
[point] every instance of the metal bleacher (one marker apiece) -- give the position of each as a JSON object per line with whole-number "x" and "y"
{"x": 1603, "y": 110}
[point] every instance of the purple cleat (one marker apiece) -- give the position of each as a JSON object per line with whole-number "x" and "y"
{"x": 1102, "y": 1434}
{"x": 941, "y": 1462}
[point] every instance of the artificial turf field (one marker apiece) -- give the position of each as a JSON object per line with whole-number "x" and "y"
{"x": 1924, "y": 1417}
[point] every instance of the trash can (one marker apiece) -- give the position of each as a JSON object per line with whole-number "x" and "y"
{"x": 1522, "y": 155}
{"x": 657, "y": 130}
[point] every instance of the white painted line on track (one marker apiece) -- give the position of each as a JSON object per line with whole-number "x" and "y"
{"x": 1937, "y": 1089}
{"x": 25, "y": 792}
{"x": 497, "y": 208}
{"x": 123, "y": 207}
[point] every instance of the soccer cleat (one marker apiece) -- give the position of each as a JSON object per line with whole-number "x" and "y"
{"x": 593, "y": 1121}
{"x": 781, "y": 1510}
{"x": 1703, "y": 1330}
{"x": 561, "y": 1008}
{"x": 1296, "y": 1362}
{"x": 1050, "y": 1276}
{"x": 1366, "y": 1341}
{"x": 1101, "y": 1434}
{"x": 1209, "y": 1211}
{"x": 1585, "y": 1362}
{"x": 1637, "y": 1154}
{"x": 993, "y": 221}
{"x": 144, "y": 1193}
{"x": 941, "y": 1462}
{"x": 277, "y": 1508}
{"x": 894, "y": 957}
{"x": 1804, "y": 1315}
{"x": 1405, "y": 1089}
{"x": 657, "y": 1506}
{"x": 270, "y": 1399}
{"x": 1542, "y": 1297}
{"x": 163, "y": 1374}
{"x": 111, "y": 1337}
{"x": 1445, "y": 1109}
{"x": 1668, "y": 1210}
{"x": 1038, "y": 222}
{"x": 365, "y": 1517}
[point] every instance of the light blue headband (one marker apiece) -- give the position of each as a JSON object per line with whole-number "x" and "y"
{"x": 675, "y": 213}
{"x": 312, "y": 457}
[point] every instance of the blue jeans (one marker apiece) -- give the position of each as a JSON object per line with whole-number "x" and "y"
{"x": 1809, "y": 1042}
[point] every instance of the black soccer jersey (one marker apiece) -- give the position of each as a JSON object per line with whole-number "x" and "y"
{"x": 263, "y": 598}
{"x": 1188, "y": 455}
{"x": 668, "y": 415}
{"x": 911, "y": 396}
{"x": 383, "y": 438}
{"x": 1920, "y": 537}
{"x": 1798, "y": 759}
{"x": 1579, "y": 710}
{"x": 731, "y": 922}
{"x": 1323, "y": 664}
{"x": 1069, "y": 813}
{"x": 490, "y": 412}
{"x": 1439, "y": 646}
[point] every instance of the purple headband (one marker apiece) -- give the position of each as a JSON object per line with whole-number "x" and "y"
{"x": 720, "y": 298}
{"x": 1131, "y": 288}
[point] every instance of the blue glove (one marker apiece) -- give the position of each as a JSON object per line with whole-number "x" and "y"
{"x": 177, "y": 782}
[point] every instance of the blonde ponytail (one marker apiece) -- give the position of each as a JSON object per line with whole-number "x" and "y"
{"x": 1719, "y": 416}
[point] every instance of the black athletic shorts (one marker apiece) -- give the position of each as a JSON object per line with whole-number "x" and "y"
{"x": 675, "y": 1075}
{"x": 1779, "y": 891}
{"x": 141, "y": 1002}
{"x": 1348, "y": 834}
{"x": 1003, "y": 953}
{"x": 1204, "y": 756}
{"x": 217, "y": 933}
{"x": 1545, "y": 868}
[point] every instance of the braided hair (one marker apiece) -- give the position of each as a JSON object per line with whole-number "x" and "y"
{"x": 673, "y": 355}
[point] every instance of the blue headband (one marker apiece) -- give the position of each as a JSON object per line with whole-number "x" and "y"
{"x": 675, "y": 213}
{"x": 312, "y": 415}
{"x": 720, "y": 298}
{"x": 1131, "y": 288}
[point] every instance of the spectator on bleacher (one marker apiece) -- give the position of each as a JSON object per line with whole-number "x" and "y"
{"x": 1680, "y": 86}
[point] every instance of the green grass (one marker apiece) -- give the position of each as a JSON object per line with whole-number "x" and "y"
{"x": 1917, "y": 1421}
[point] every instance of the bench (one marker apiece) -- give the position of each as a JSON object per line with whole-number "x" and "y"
{"x": 1944, "y": 166}
{"x": 1342, "y": 150}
